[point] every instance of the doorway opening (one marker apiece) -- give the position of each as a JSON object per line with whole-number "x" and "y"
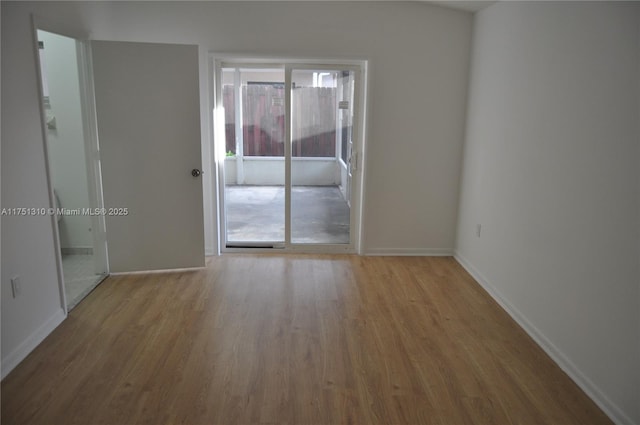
{"x": 287, "y": 141}
{"x": 73, "y": 165}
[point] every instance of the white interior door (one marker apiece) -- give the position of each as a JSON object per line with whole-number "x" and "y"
{"x": 148, "y": 113}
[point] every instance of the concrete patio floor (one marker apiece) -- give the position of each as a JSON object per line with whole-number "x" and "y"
{"x": 256, "y": 214}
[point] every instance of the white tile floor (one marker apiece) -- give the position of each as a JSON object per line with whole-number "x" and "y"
{"x": 79, "y": 277}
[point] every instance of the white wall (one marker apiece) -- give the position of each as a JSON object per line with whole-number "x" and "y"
{"x": 66, "y": 141}
{"x": 418, "y": 69}
{"x": 418, "y": 73}
{"x": 551, "y": 173}
{"x": 28, "y": 248}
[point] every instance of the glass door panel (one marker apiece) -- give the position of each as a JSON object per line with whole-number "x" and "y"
{"x": 321, "y": 121}
{"x": 253, "y": 101}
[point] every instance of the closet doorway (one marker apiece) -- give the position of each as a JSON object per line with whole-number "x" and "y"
{"x": 73, "y": 164}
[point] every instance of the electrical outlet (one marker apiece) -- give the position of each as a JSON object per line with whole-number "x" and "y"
{"x": 478, "y": 229}
{"x": 16, "y": 286}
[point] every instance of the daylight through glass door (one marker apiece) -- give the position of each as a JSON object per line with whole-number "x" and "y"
{"x": 289, "y": 155}
{"x": 254, "y": 106}
{"x": 321, "y": 146}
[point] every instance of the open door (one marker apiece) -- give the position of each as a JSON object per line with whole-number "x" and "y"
{"x": 148, "y": 113}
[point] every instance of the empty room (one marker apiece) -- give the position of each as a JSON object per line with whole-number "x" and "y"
{"x": 320, "y": 212}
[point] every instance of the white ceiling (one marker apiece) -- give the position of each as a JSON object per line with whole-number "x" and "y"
{"x": 466, "y": 5}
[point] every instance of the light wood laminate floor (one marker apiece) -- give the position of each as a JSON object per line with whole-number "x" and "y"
{"x": 294, "y": 340}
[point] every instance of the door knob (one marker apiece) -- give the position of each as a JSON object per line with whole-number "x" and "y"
{"x": 195, "y": 172}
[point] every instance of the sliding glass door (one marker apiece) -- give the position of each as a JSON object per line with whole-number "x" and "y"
{"x": 254, "y": 173}
{"x": 321, "y": 117}
{"x": 289, "y": 157}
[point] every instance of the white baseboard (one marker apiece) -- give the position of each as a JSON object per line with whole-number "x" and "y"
{"x": 416, "y": 252}
{"x": 22, "y": 351}
{"x": 592, "y": 390}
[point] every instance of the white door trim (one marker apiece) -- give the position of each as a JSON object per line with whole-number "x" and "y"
{"x": 359, "y": 67}
{"x": 47, "y": 166}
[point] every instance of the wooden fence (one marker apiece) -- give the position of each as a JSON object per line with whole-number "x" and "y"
{"x": 313, "y": 116}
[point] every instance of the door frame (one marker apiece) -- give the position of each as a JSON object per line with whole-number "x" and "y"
{"x": 92, "y": 152}
{"x": 217, "y": 61}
